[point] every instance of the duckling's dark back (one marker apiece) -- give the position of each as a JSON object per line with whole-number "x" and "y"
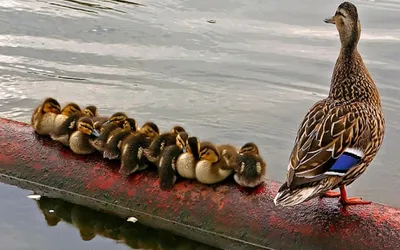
{"x": 166, "y": 166}
{"x": 249, "y": 163}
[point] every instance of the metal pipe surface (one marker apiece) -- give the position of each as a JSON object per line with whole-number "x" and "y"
{"x": 219, "y": 215}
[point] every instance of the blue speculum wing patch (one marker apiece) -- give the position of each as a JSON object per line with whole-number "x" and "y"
{"x": 345, "y": 162}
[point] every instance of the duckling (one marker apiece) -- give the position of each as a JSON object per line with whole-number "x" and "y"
{"x": 186, "y": 163}
{"x": 162, "y": 141}
{"x": 168, "y": 159}
{"x": 211, "y": 168}
{"x": 228, "y": 153}
{"x": 112, "y": 148}
{"x": 91, "y": 111}
{"x": 132, "y": 147}
{"x": 63, "y": 131}
{"x": 43, "y": 118}
{"x": 69, "y": 110}
{"x": 251, "y": 168}
{"x": 79, "y": 141}
{"x": 115, "y": 121}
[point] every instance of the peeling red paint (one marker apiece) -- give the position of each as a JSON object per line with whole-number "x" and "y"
{"x": 246, "y": 215}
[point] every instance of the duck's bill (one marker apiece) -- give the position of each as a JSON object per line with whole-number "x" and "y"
{"x": 330, "y": 20}
{"x": 184, "y": 149}
{"x": 107, "y": 122}
{"x": 95, "y": 133}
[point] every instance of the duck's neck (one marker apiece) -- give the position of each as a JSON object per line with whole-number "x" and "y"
{"x": 351, "y": 80}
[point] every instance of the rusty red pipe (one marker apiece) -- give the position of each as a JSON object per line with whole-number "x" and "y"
{"x": 219, "y": 215}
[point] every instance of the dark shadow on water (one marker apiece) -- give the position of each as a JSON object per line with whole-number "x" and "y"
{"x": 73, "y": 4}
{"x": 92, "y": 223}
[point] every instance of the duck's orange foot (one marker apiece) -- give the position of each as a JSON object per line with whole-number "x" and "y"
{"x": 330, "y": 194}
{"x": 354, "y": 201}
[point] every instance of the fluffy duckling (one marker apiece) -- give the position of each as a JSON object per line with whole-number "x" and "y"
{"x": 112, "y": 148}
{"x": 69, "y": 110}
{"x": 228, "y": 153}
{"x": 211, "y": 168}
{"x": 43, "y": 118}
{"x": 133, "y": 146}
{"x": 63, "y": 131}
{"x": 79, "y": 141}
{"x": 168, "y": 159}
{"x": 251, "y": 168}
{"x": 115, "y": 121}
{"x": 162, "y": 141}
{"x": 91, "y": 111}
{"x": 186, "y": 163}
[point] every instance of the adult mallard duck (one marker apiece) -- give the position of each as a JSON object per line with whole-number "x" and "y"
{"x": 340, "y": 135}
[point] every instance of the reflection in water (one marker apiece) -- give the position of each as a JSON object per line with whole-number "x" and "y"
{"x": 91, "y": 223}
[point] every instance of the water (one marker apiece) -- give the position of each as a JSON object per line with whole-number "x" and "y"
{"x": 250, "y": 76}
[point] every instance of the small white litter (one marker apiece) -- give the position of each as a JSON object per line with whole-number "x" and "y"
{"x": 132, "y": 219}
{"x": 34, "y": 196}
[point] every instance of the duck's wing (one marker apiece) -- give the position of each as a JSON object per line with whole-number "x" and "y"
{"x": 327, "y": 142}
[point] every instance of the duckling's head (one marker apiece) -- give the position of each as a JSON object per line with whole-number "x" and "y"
{"x": 249, "y": 148}
{"x": 193, "y": 144}
{"x": 51, "y": 105}
{"x": 85, "y": 126}
{"x": 71, "y": 109}
{"x": 347, "y": 23}
{"x": 209, "y": 152}
{"x": 130, "y": 124}
{"x": 181, "y": 139}
{"x": 91, "y": 111}
{"x": 177, "y": 129}
{"x": 150, "y": 129}
{"x": 117, "y": 118}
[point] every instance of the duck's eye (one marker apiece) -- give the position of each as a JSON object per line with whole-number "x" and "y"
{"x": 338, "y": 13}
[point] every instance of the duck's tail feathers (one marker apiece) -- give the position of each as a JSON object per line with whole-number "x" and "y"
{"x": 290, "y": 197}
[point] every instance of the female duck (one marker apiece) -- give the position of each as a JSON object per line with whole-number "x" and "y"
{"x": 133, "y": 146}
{"x": 79, "y": 141}
{"x": 211, "y": 168}
{"x": 186, "y": 163}
{"x": 251, "y": 168}
{"x": 112, "y": 148}
{"x": 115, "y": 121}
{"x": 341, "y": 134}
{"x": 43, "y": 118}
{"x": 168, "y": 161}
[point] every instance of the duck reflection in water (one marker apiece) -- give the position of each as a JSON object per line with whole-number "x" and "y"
{"x": 91, "y": 223}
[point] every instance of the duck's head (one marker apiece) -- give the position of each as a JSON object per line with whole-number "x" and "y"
{"x": 249, "y": 148}
{"x": 150, "y": 129}
{"x": 209, "y": 152}
{"x": 51, "y": 105}
{"x": 181, "y": 140}
{"x": 71, "y": 109}
{"x": 347, "y": 23}
{"x": 177, "y": 129}
{"x": 193, "y": 146}
{"x": 91, "y": 111}
{"x": 85, "y": 126}
{"x": 130, "y": 124}
{"x": 117, "y": 118}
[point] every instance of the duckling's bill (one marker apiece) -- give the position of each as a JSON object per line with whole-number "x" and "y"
{"x": 95, "y": 133}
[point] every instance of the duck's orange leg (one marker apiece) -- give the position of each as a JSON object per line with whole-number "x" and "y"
{"x": 350, "y": 200}
{"x": 330, "y": 194}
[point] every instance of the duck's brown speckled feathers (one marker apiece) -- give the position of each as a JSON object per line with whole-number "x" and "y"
{"x": 132, "y": 153}
{"x": 350, "y": 120}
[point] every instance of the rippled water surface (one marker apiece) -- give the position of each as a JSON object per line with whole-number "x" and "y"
{"x": 249, "y": 76}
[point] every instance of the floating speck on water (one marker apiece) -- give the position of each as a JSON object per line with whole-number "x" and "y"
{"x": 51, "y": 211}
{"x": 211, "y": 21}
